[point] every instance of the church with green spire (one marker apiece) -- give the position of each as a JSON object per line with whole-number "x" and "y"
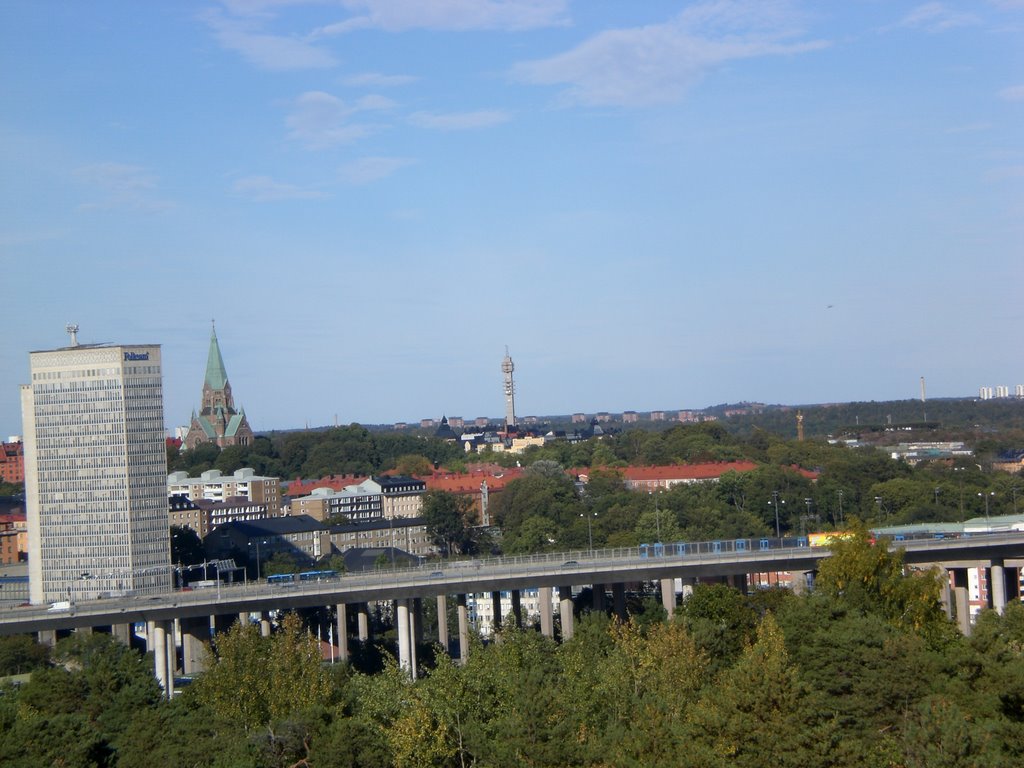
{"x": 217, "y": 421}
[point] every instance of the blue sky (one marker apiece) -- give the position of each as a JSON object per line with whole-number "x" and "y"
{"x": 654, "y": 205}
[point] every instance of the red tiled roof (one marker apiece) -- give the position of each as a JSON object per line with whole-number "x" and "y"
{"x": 300, "y": 487}
{"x": 469, "y": 482}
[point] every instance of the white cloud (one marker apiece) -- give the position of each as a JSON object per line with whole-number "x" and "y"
{"x": 273, "y": 52}
{"x": 121, "y": 186}
{"x": 320, "y": 120}
{"x": 1013, "y": 93}
{"x": 460, "y": 121}
{"x": 459, "y": 15}
{"x": 935, "y": 17}
{"x": 264, "y": 189}
{"x": 657, "y": 63}
{"x": 377, "y": 80}
{"x": 369, "y": 169}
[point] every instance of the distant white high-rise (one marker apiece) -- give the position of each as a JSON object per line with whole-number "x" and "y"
{"x": 1018, "y": 390}
{"x": 96, "y": 472}
{"x": 1002, "y": 391}
{"x": 985, "y": 393}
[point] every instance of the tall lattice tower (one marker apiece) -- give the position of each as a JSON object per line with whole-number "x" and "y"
{"x": 510, "y": 392}
{"x": 800, "y": 426}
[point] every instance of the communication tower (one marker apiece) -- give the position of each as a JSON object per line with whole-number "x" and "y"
{"x": 510, "y": 392}
{"x": 72, "y": 331}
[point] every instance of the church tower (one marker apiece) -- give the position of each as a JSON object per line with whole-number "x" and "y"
{"x": 217, "y": 421}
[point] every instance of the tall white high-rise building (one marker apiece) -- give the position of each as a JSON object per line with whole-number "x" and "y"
{"x": 96, "y": 472}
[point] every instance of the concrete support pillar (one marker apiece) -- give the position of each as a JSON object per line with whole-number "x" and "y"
{"x": 157, "y": 641}
{"x": 517, "y": 607}
{"x": 496, "y": 611}
{"x": 83, "y": 630}
{"x": 404, "y": 641}
{"x": 668, "y": 597}
{"x": 798, "y": 582}
{"x": 547, "y": 623}
{"x": 945, "y": 595}
{"x": 243, "y": 618}
{"x": 597, "y": 597}
{"x": 619, "y": 601}
{"x": 264, "y": 625}
{"x": 961, "y": 599}
{"x": 413, "y": 624}
{"x": 122, "y": 632}
{"x": 417, "y": 621}
{"x": 1012, "y": 583}
{"x": 565, "y": 611}
{"x": 739, "y": 582}
{"x": 688, "y": 583}
{"x": 997, "y": 587}
{"x": 194, "y": 635}
{"x": 172, "y": 658}
{"x": 963, "y": 610}
{"x": 341, "y": 630}
{"x": 442, "y": 622}
{"x": 463, "y": 615}
{"x": 363, "y": 619}
{"x": 47, "y": 637}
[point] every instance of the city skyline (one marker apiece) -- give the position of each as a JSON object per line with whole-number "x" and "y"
{"x": 652, "y": 206}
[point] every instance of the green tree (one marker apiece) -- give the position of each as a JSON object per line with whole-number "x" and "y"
{"x": 254, "y": 680}
{"x": 721, "y": 622}
{"x": 758, "y": 713}
{"x": 281, "y": 562}
{"x": 544, "y": 491}
{"x": 72, "y": 714}
{"x": 182, "y": 734}
{"x": 448, "y": 519}
{"x": 866, "y": 575}
{"x": 20, "y": 654}
{"x": 186, "y": 546}
{"x": 413, "y": 465}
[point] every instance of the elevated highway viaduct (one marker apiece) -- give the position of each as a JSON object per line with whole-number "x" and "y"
{"x": 193, "y": 615}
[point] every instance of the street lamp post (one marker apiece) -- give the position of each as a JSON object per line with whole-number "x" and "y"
{"x": 986, "y": 496}
{"x": 590, "y": 531}
{"x": 657, "y": 515}
{"x": 775, "y": 503}
{"x": 961, "y": 470}
{"x": 804, "y": 519}
{"x": 840, "y": 494}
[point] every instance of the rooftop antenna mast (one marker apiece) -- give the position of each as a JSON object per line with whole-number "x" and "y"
{"x": 72, "y": 331}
